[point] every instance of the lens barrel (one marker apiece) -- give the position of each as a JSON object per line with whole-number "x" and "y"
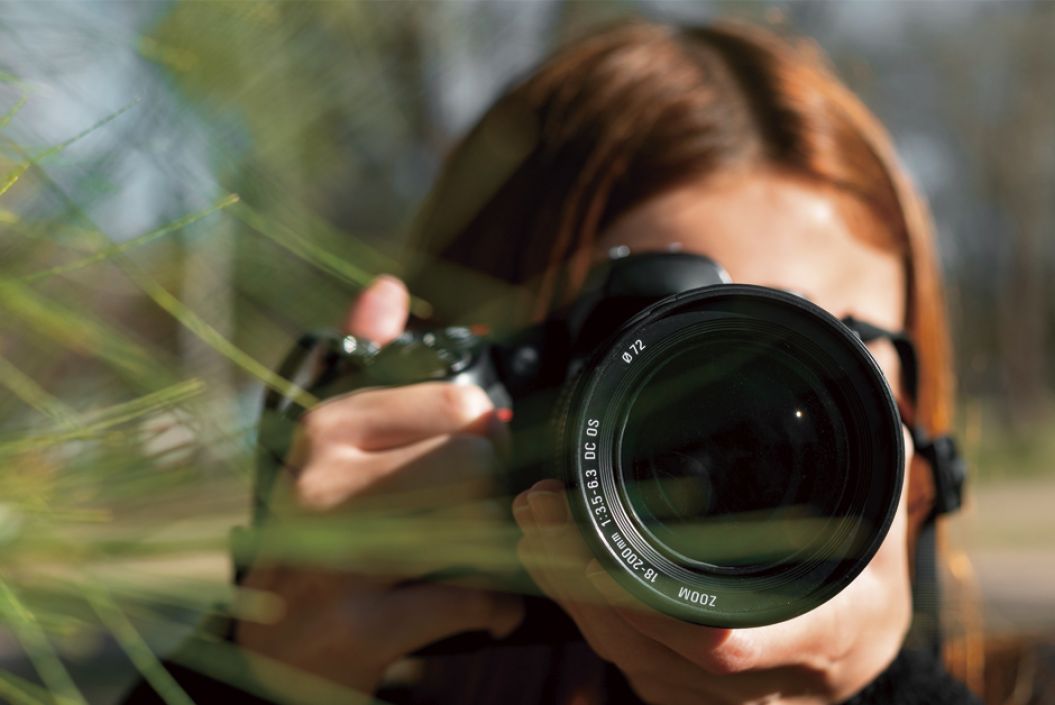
{"x": 734, "y": 455}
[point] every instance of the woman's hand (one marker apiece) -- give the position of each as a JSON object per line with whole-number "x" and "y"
{"x": 423, "y": 455}
{"x": 823, "y": 656}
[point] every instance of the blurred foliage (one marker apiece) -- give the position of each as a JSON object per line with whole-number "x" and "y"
{"x": 185, "y": 186}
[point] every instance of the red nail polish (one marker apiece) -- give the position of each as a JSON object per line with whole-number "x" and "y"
{"x": 504, "y": 415}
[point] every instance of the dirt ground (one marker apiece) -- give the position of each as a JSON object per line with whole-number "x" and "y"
{"x": 1008, "y": 530}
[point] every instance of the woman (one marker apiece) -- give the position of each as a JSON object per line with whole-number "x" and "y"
{"x": 724, "y": 141}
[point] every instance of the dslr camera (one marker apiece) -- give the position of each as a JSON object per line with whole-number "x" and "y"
{"x": 732, "y": 453}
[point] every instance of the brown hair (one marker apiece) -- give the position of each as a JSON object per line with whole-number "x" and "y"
{"x": 628, "y": 112}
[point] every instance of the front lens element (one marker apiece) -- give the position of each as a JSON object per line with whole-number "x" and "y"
{"x": 732, "y": 452}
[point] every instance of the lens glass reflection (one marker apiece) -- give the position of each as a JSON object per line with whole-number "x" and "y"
{"x": 733, "y": 452}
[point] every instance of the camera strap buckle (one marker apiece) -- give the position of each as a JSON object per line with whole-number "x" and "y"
{"x": 948, "y": 468}
{"x": 941, "y": 452}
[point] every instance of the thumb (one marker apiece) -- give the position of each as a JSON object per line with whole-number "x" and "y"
{"x": 380, "y": 312}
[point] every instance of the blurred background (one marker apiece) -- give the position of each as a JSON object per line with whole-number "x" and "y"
{"x": 186, "y": 186}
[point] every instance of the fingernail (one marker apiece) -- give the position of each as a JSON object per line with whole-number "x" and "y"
{"x": 387, "y": 281}
{"x": 511, "y": 617}
{"x": 387, "y": 289}
{"x": 380, "y": 311}
{"x": 594, "y": 570}
{"x": 522, "y": 512}
{"x": 548, "y": 508}
{"x": 477, "y": 407}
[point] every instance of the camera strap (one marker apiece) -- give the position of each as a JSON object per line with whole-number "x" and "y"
{"x": 949, "y": 472}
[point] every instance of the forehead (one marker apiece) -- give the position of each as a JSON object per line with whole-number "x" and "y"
{"x": 777, "y": 231}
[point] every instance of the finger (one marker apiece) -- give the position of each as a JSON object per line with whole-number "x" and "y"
{"x": 418, "y": 615}
{"x": 460, "y": 467}
{"x": 799, "y": 641}
{"x": 265, "y": 582}
{"x": 555, "y": 555}
{"x": 553, "y": 559}
{"x": 714, "y": 665}
{"x": 556, "y": 552}
{"x": 814, "y": 640}
{"x": 601, "y": 634}
{"x": 731, "y": 666}
{"x": 793, "y": 658}
{"x": 427, "y": 474}
{"x": 352, "y": 635}
{"x": 718, "y": 651}
{"x": 462, "y": 545}
{"x": 381, "y": 419}
{"x": 415, "y": 510}
{"x": 380, "y": 312}
{"x": 393, "y": 549}
{"x": 585, "y": 575}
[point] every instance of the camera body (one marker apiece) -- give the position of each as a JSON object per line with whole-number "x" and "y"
{"x": 733, "y": 454}
{"x": 531, "y": 361}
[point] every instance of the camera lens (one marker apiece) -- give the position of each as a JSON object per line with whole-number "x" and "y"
{"x": 724, "y": 463}
{"x": 736, "y": 453}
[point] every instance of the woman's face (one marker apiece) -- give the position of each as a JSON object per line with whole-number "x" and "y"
{"x": 782, "y": 232}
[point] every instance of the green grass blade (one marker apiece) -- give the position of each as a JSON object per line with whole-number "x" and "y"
{"x": 78, "y": 332}
{"x": 38, "y": 648}
{"x": 315, "y": 255}
{"x": 163, "y": 298}
{"x": 12, "y": 177}
{"x": 214, "y": 339}
{"x": 108, "y": 418}
{"x": 137, "y": 650}
{"x": 25, "y": 388}
{"x": 113, "y": 249}
{"x": 28, "y": 160}
{"x": 306, "y": 250}
{"x": 10, "y": 114}
{"x": 19, "y": 691}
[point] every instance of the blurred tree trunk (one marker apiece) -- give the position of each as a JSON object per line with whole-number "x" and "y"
{"x": 1002, "y": 110}
{"x": 1022, "y": 155}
